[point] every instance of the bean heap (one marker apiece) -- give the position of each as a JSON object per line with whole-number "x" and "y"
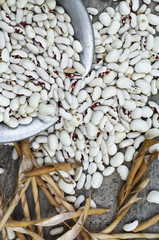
{"x": 104, "y": 124}
{"x": 37, "y": 51}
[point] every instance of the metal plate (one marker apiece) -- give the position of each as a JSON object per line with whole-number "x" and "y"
{"x": 84, "y": 33}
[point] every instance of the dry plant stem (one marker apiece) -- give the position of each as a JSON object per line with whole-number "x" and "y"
{"x": 143, "y": 169}
{"x": 24, "y": 145}
{"x": 137, "y": 171}
{"x": 121, "y": 215}
{"x": 146, "y": 224}
{"x": 55, "y": 168}
{"x": 21, "y": 236}
{"x": 25, "y": 208}
{"x": 47, "y": 177}
{"x": 94, "y": 238}
{"x": 4, "y": 234}
{"x": 18, "y": 149}
{"x": 37, "y": 204}
{"x": 49, "y": 180}
{"x": 152, "y": 157}
{"x": 145, "y": 146}
{"x": 26, "y": 163}
{"x": 26, "y": 149}
{"x": 51, "y": 168}
{"x": 68, "y": 206}
{"x": 88, "y": 234}
{"x": 128, "y": 186}
{"x": 34, "y": 235}
{"x": 94, "y": 211}
{"x": 26, "y": 157}
{"x": 15, "y": 224}
{"x": 13, "y": 204}
{"x": 85, "y": 235}
{"x": 2, "y": 211}
{"x": 77, "y": 228}
{"x": 133, "y": 200}
{"x": 113, "y": 225}
{"x": 141, "y": 172}
{"x": 46, "y": 191}
{"x": 68, "y": 226}
{"x": 126, "y": 236}
{"x": 142, "y": 185}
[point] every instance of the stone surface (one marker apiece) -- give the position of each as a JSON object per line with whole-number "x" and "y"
{"x": 105, "y": 197}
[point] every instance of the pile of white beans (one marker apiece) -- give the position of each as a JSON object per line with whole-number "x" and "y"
{"x": 103, "y": 125}
{"x": 37, "y": 48}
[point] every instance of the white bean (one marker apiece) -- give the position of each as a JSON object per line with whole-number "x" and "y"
{"x": 105, "y": 19}
{"x": 156, "y": 46}
{"x": 123, "y": 172}
{"x": 67, "y": 188}
{"x": 129, "y": 153}
{"x": 114, "y": 27}
{"x": 2, "y": 42}
{"x": 139, "y": 125}
{"x": 152, "y": 133}
{"x": 124, "y": 8}
{"x": 1, "y": 171}
{"x": 3, "y": 67}
{"x": 108, "y": 171}
{"x": 97, "y": 180}
{"x": 88, "y": 182}
{"x": 153, "y": 197}
{"x": 117, "y": 160}
{"x": 129, "y": 227}
{"x": 81, "y": 181}
{"x": 79, "y": 200}
{"x": 79, "y": 67}
{"x": 56, "y": 231}
{"x": 46, "y": 109}
{"x": 4, "y": 102}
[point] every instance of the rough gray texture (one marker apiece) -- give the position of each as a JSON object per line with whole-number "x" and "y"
{"x": 105, "y": 197}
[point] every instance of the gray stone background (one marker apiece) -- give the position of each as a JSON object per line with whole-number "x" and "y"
{"x": 105, "y": 197}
